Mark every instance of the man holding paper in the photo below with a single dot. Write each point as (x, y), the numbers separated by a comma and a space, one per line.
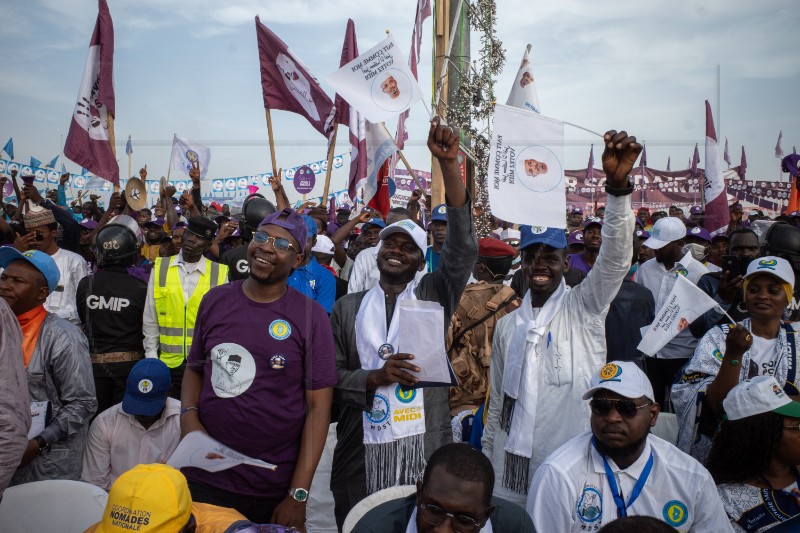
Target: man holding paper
(388, 428)
(545, 353)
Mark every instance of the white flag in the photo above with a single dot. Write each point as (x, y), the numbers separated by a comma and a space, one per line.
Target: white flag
(378, 83)
(523, 92)
(184, 153)
(685, 303)
(526, 168)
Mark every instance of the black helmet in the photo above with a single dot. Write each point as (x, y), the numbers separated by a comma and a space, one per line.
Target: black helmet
(254, 209)
(783, 240)
(116, 244)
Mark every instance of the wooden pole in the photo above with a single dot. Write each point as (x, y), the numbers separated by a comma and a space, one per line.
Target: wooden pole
(331, 150)
(112, 142)
(405, 161)
(271, 143)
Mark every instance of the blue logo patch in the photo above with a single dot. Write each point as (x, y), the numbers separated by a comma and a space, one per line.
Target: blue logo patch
(380, 410)
(682, 272)
(405, 395)
(610, 372)
(767, 264)
(718, 355)
(675, 513)
(590, 505)
(279, 329)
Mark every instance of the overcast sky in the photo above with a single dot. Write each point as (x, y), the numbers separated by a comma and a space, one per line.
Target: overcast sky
(191, 67)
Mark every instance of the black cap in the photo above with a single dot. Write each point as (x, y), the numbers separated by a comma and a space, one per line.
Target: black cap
(202, 227)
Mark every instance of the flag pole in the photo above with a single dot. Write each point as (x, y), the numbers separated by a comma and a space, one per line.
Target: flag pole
(129, 165)
(271, 143)
(404, 160)
(111, 141)
(331, 150)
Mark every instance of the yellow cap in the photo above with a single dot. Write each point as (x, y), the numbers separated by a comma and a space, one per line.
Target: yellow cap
(147, 498)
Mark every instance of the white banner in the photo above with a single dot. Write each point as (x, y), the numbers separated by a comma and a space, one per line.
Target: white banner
(526, 169)
(378, 83)
(523, 93)
(685, 303)
(184, 153)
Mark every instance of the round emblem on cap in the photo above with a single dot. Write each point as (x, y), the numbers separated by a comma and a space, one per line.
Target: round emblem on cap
(610, 371)
(442, 210)
(277, 362)
(695, 230)
(769, 264)
(145, 386)
(538, 230)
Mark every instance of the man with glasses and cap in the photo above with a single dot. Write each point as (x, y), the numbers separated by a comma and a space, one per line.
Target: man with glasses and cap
(619, 469)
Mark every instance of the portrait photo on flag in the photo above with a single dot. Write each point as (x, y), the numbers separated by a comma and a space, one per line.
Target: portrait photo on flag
(378, 83)
(526, 168)
(523, 93)
(185, 153)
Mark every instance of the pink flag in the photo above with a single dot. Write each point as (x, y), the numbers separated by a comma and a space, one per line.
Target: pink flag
(716, 197)
(778, 149)
(287, 84)
(88, 141)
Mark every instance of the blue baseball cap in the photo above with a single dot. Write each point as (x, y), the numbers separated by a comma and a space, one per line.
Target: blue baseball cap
(439, 213)
(43, 263)
(148, 388)
(552, 237)
(376, 222)
(311, 224)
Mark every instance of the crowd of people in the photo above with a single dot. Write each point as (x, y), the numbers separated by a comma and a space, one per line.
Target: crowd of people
(282, 333)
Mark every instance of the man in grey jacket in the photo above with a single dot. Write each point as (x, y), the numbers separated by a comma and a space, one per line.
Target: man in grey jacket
(388, 428)
(56, 356)
(15, 415)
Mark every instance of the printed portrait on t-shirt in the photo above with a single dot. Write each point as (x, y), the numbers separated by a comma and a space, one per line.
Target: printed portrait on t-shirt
(232, 371)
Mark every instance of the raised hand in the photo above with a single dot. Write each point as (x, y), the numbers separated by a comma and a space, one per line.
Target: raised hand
(194, 172)
(143, 173)
(443, 142)
(64, 178)
(275, 181)
(620, 154)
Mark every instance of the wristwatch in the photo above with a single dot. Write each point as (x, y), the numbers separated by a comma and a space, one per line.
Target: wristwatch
(43, 446)
(300, 495)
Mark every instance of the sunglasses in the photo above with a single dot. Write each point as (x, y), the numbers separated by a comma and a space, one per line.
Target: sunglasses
(278, 243)
(625, 408)
(435, 515)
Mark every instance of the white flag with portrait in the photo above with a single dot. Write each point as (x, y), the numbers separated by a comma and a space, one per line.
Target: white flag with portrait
(685, 303)
(526, 168)
(185, 152)
(378, 83)
(523, 92)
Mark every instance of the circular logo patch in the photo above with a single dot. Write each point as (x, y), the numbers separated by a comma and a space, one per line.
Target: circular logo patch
(385, 351)
(590, 505)
(538, 230)
(279, 329)
(277, 362)
(682, 272)
(405, 395)
(380, 410)
(145, 386)
(675, 513)
(609, 372)
(718, 355)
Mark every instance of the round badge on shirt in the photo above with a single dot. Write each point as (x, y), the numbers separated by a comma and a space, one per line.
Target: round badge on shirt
(232, 370)
(385, 351)
(279, 329)
(277, 362)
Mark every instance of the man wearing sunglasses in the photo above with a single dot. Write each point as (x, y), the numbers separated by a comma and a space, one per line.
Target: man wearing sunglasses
(619, 469)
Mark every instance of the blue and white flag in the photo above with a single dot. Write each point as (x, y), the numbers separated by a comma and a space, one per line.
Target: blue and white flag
(9, 147)
(129, 146)
(35, 163)
(185, 153)
(52, 163)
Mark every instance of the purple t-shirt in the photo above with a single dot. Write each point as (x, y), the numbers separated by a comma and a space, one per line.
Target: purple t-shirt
(257, 361)
(577, 262)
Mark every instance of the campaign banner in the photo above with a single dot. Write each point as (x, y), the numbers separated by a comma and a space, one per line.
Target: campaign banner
(186, 153)
(523, 93)
(526, 170)
(378, 83)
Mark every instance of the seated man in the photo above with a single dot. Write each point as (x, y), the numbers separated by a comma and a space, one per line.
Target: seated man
(144, 428)
(457, 485)
(620, 469)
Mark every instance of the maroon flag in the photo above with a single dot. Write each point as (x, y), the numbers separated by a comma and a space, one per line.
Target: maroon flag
(726, 156)
(695, 161)
(590, 166)
(716, 196)
(287, 84)
(381, 200)
(743, 165)
(89, 139)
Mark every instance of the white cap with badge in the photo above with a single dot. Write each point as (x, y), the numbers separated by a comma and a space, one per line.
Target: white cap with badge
(410, 228)
(622, 377)
(665, 231)
(762, 394)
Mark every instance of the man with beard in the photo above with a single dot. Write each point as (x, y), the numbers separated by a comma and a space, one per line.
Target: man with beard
(618, 469)
(545, 352)
(592, 239)
(379, 447)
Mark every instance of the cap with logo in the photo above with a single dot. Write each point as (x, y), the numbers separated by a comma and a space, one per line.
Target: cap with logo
(202, 227)
(665, 231)
(699, 233)
(696, 210)
(40, 260)
(622, 377)
(88, 224)
(592, 221)
(552, 237)
(148, 388)
(439, 213)
(324, 245)
(156, 491)
(375, 222)
(576, 237)
(410, 228)
(491, 247)
(761, 394)
(642, 234)
(289, 220)
(157, 222)
(576, 211)
(775, 266)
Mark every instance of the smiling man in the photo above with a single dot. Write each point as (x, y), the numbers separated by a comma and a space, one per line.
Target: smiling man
(377, 449)
(592, 239)
(389, 86)
(545, 352)
(619, 469)
(534, 168)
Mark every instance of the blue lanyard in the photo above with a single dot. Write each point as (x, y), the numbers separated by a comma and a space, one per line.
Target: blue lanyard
(612, 482)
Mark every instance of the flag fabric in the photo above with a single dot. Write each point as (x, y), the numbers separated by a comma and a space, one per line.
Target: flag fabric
(129, 146)
(88, 141)
(185, 152)
(590, 166)
(743, 165)
(35, 163)
(9, 147)
(726, 156)
(526, 167)
(52, 163)
(794, 150)
(380, 147)
(288, 85)
(523, 93)
(83, 171)
(717, 216)
(685, 303)
(695, 161)
(63, 168)
(778, 149)
(668, 162)
(378, 83)
(332, 210)
(381, 200)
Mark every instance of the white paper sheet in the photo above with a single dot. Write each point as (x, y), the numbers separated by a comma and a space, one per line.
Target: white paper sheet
(38, 418)
(198, 450)
(420, 333)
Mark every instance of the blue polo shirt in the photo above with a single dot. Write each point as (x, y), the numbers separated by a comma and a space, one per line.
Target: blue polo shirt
(316, 282)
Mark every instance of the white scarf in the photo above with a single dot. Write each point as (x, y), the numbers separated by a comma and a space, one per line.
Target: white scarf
(394, 428)
(412, 524)
(521, 385)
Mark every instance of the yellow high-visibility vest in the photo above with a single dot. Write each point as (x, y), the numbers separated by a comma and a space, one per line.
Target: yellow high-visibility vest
(175, 317)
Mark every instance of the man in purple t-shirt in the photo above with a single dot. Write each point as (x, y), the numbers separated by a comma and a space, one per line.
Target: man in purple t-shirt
(592, 239)
(260, 379)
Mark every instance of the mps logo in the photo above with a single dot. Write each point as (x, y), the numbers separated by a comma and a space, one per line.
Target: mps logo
(610, 372)
(767, 264)
(405, 395)
(279, 329)
(681, 272)
(675, 513)
(145, 386)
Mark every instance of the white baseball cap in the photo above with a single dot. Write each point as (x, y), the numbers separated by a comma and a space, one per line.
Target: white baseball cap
(665, 231)
(324, 245)
(510, 234)
(622, 377)
(780, 268)
(410, 228)
(762, 394)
